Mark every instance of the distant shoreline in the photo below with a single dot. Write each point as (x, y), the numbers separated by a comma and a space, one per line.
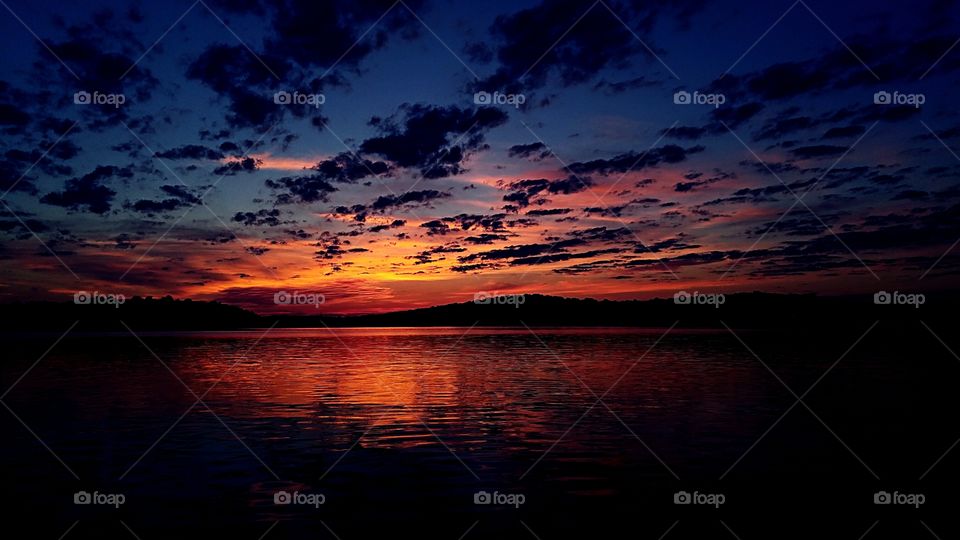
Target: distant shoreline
(740, 310)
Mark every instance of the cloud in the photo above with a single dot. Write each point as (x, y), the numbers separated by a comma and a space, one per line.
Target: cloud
(302, 37)
(818, 151)
(240, 165)
(87, 191)
(734, 116)
(433, 139)
(304, 189)
(521, 191)
(263, 217)
(392, 225)
(591, 40)
(549, 212)
(844, 132)
(349, 168)
(409, 198)
(633, 161)
(546, 252)
(11, 115)
(534, 151)
(388, 202)
(180, 197)
(191, 151)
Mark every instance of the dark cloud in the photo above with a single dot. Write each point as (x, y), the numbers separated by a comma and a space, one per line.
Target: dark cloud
(591, 41)
(12, 179)
(697, 180)
(147, 206)
(387, 202)
(303, 36)
(409, 198)
(557, 257)
(534, 151)
(818, 151)
(633, 161)
(734, 116)
(485, 238)
(784, 125)
(549, 212)
(349, 168)
(87, 191)
(191, 151)
(123, 242)
(393, 225)
(179, 197)
(263, 217)
(101, 59)
(436, 227)
(844, 132)
(305, 189)
(911, 195)
(892, 58)
(557, 250)
(433, 139)
(11, 115)
(521, 191)
(240, 165)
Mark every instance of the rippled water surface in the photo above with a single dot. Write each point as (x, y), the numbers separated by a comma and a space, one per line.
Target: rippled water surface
(394, 422)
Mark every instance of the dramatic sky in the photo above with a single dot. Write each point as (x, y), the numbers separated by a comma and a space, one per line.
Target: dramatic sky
(183, 175)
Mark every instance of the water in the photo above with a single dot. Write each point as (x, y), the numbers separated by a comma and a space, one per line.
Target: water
(399, 428)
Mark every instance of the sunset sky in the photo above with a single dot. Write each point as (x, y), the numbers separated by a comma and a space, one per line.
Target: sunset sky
(400, 190)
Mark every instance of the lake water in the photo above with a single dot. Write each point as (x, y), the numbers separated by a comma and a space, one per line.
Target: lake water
(397, 430)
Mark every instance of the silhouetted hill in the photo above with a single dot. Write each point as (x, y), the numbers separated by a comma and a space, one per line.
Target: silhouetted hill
(139, 313)
(747, 310)
(743, 310)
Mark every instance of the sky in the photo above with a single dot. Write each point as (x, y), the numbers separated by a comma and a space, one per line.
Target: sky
(385, 155)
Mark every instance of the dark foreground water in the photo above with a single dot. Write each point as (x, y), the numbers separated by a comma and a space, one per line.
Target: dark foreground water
(571, 433)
